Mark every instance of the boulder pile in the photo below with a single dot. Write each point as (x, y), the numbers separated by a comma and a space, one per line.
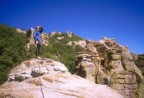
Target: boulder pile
(107, 62)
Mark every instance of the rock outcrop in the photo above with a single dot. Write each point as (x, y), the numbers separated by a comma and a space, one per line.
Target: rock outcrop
(69, 33)
(20, 31)
(81, 43)
(107, 62)
(46, 78)
(53, 33)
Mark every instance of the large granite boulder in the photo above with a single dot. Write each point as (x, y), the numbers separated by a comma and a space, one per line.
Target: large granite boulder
(46, 78)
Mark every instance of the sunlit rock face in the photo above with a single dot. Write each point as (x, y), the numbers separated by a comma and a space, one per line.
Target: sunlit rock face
(46, 78)
(107, 62)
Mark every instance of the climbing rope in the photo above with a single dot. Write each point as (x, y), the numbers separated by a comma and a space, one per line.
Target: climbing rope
(40, 82)
(40, 77)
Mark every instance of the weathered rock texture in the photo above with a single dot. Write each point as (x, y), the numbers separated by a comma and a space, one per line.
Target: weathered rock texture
(139, 60)
(107, 62)
(46, 78)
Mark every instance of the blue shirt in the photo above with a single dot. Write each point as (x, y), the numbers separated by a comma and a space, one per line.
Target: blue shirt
(37, 36)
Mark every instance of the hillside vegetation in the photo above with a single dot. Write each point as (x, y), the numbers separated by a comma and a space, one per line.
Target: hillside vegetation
(12, 50)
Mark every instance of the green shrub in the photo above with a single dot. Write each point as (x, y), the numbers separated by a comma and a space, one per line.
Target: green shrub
(58, 50)
(11, 50)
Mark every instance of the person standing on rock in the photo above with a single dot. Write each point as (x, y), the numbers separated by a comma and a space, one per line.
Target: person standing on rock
(38, 39)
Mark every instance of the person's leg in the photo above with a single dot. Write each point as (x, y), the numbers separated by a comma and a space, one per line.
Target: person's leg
(38, 49)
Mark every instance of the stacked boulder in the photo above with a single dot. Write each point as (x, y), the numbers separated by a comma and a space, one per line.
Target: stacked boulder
(86, 67)
(112, 65)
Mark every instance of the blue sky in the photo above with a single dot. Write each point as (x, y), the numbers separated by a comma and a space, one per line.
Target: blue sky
(90, 19)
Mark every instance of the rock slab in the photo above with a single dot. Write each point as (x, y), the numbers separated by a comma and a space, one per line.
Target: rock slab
(51, 79)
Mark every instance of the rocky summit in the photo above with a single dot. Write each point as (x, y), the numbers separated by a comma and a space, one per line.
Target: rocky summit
(46, 78)
(100, 69)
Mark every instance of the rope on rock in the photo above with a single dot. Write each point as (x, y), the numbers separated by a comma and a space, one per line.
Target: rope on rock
(40, 82)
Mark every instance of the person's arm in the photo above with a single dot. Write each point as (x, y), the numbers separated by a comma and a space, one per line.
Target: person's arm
(38, 37)
(34, 36)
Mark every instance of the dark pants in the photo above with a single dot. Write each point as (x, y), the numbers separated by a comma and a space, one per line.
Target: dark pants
(38, 49)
